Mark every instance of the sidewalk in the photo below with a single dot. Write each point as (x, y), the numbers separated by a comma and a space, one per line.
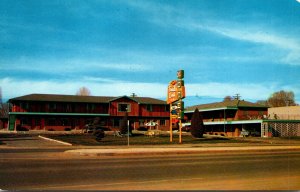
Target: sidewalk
(169, 150)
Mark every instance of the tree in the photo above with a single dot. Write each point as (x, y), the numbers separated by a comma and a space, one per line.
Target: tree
(282, 98)
(97, 131)
(227, 98)
(197, 126)
(83, 91)
(123, 124)
(262, 102)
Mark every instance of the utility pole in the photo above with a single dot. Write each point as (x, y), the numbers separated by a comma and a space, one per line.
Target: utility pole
(133, 95)
(0, 96)
(237, 96)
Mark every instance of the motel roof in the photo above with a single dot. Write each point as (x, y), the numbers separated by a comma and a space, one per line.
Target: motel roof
(84, 99)
(233, 104)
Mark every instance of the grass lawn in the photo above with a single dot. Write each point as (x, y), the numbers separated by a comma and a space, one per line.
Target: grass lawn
(141, 139)
(110, 140)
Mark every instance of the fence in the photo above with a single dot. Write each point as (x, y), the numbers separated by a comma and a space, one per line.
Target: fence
(284, 128)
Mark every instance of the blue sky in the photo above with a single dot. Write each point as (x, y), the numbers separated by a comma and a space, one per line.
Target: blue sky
(114, 48)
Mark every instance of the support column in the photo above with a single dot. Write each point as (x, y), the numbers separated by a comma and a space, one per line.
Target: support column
(171, 129)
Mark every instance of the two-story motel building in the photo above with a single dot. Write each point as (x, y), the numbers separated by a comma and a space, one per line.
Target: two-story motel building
(61, 112)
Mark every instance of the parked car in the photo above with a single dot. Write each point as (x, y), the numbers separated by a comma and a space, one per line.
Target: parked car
(88, 129)
(92, 128)
(186, 128)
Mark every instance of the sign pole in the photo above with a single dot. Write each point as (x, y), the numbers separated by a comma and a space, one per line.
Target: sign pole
(171, 130)
(128, 133)
(180, 126)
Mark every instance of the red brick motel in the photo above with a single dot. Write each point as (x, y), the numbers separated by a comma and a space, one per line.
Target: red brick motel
(61, 112)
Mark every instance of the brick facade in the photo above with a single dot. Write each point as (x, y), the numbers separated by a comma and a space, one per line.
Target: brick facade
(65, 112)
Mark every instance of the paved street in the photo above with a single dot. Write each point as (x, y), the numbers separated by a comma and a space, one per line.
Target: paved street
(55, 170)
(34, 163)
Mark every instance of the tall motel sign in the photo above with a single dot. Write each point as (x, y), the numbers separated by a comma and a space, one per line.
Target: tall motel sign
(176, 93)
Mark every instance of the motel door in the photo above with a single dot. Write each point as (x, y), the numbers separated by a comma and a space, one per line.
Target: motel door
(264, 130)
(12, 120)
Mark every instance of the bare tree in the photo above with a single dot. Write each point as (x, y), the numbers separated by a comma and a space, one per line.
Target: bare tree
(282, 98)
(262, 102)
(227, 98)
(83, 91)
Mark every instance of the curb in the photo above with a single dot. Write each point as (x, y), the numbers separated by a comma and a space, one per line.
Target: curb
(61, 142)
(159, 151)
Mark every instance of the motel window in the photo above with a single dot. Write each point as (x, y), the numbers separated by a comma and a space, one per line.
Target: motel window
(69, 107)
(123, 107)
(65, 122)
(162, 122)
(37, 121)
(90, 107)
(51, 122)
(149, 107)
(116, 122)
(141, 122)
(25, 121)
(24, 105)
(52, 106)
(167, 107)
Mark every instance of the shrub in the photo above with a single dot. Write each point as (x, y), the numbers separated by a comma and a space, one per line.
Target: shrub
(142, 129)
(197, 126)
(20, 128)
(99, 134)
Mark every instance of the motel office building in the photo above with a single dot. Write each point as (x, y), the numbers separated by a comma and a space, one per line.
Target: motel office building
(238, 118)
(233, 118)
(69, 112)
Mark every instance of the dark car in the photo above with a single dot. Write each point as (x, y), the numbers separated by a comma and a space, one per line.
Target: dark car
(89, 128)
(97, 131)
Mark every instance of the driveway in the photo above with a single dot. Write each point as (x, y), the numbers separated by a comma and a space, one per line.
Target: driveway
(26, 141)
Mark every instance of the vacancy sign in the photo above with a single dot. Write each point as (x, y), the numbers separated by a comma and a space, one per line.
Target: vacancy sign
(172, 92)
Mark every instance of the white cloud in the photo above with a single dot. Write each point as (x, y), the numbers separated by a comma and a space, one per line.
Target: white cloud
(69, 66)
(98, 79)
(288, 47)
(254, 35)
(109, 87)
(220, 90)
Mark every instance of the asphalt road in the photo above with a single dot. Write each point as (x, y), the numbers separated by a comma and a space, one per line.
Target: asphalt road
(55, 170)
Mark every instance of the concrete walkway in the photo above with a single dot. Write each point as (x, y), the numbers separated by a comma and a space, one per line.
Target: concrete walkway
(169, 150)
